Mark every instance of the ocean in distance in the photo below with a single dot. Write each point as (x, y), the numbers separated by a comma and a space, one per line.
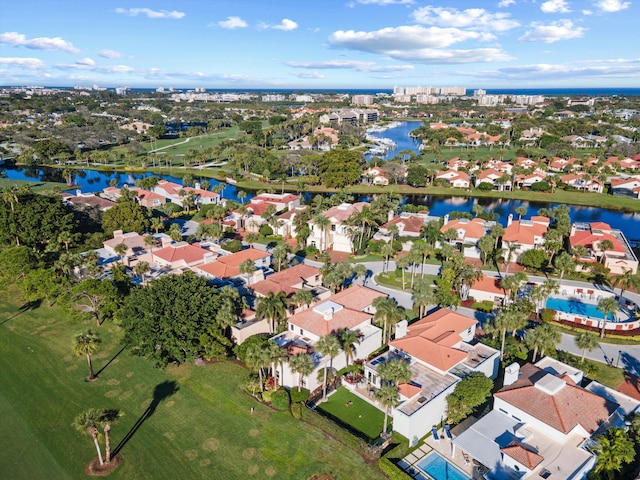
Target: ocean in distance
(547, 92)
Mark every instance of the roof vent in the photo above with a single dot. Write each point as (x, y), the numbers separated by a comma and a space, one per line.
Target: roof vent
(550, 384)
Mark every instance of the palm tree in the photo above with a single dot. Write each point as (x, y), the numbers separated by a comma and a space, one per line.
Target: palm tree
(175, 232)
(395, 371)
(614, 449)
(521, 211)
(66, 238)
(87, 343)
(387, 310)
(387, 395)
(302, 297)
(258, 357)
(586, 341)
(512, 247)
(565, 263)
(328, 346)
(241, 195)
(121, 251)
(512, 283)
(303, 365)
(107, 417)
(626, 280)
(87, 423)
(606, 306)
(157, 224)
(273, 308)
(322, 222)
(277, 355)
(387, 251)
(543, 338)
(605, 245)
(247, 268)
(505, 321)
(402, 263)
(251, 238)
(150, 242)
(348, 341)
(141, 269)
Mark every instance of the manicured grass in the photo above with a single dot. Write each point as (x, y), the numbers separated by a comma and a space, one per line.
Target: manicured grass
(36, 186)
(353, 411)
(203, 430)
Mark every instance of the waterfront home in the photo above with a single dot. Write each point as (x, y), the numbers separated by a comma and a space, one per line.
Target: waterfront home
(409, 225)
(617, 259)
(87, 200)
(175, 193)
(524, 235)
(543, 424)
(526, 181)
(499, 180)
(440, 351)
(468, 231)
(580, 181)
(454, 178)
(375, 176)
(338, 234)
(625, 187)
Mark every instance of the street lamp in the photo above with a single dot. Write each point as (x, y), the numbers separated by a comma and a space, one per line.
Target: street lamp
(618, 362)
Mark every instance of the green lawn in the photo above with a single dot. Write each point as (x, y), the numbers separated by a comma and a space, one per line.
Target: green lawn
(204, 430)
(36, 186)
(353, 411)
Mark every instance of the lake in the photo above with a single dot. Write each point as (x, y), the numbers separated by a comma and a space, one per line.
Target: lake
(95, 181)
(400, 135)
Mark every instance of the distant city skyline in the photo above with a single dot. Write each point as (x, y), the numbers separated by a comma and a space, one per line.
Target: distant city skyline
(314, 45)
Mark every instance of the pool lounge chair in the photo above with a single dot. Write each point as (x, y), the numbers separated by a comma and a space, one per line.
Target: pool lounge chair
(434, 432)
(447, 432)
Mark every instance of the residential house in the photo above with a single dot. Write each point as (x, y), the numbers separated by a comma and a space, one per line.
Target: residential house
(500, 180)
(525, 181)
(488, 289)
(457, 163)
(350, 309)
(469, 231)
(175, 193)
(253, 219)
(454, 178)
(580, 181)
(133, 240)
(590, 235)
(375, 176)
(625, 187)
(286, 225)
(543, 424)
(87, 200)
(499, 165)
(409, 225)
(180, 255)
(524, 235)
(338, 235)
(228, 266)
(558, 164)
(440, 354)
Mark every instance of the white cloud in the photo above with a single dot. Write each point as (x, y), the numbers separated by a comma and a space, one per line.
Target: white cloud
(555, 6)
(587, 12)
(506, 3)
(350, 64)
(402, 38)
(109, 53)
(546, 71)
(556, 31)
(438, 56)
(286, 25)
(232, 23)
(85, 61)
(96, 68)
(134, 12)
(30, 63)
(311, 75)
(471, 18)
(612, 5)
(41, 43)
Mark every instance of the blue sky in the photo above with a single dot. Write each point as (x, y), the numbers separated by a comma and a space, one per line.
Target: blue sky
(321, 44)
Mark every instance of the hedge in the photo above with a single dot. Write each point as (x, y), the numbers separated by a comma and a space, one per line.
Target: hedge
(391, 470)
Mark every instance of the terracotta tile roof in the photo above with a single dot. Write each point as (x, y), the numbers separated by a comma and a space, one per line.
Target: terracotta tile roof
(235, 259)
(274, 198)
(523, 456)
(219, 270)
(147, 195)
(356, 297)
(411, 223)
(588, 239)
(524, 234)
(133, 240)
(342, 212)
(489, 284)
(567, 408)
(432, 339)
(181, 251)
(284, 280)
(311, 321)
(91, 201)
(408, 391)
(472, 228)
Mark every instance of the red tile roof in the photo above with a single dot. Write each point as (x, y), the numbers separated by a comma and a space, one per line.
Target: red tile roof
(284, 280)
(356, 297)
(181, 251)
(315, 323)
(472, 228)
(219, 270)
(524, 234)
(235, 259)
(569, 407)
(410, 223)
(523, 456)
(408, 391)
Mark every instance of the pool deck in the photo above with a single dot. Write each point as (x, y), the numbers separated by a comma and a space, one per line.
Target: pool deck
(444, 447)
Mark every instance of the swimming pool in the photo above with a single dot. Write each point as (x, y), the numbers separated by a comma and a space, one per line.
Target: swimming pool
(576, 307)
(439, 468)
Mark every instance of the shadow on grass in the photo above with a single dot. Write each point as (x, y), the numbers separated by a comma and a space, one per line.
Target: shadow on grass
(110, 361)
(24, 308)
(162, 391)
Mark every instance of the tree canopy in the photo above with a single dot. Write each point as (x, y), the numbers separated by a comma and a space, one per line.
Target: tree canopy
(168, 320)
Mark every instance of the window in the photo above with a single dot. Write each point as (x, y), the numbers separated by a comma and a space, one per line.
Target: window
(291, 327)
(301, 332)
(333, 227)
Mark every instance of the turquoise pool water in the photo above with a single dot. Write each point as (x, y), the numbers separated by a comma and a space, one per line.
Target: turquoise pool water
(576, 307)
(440, 469)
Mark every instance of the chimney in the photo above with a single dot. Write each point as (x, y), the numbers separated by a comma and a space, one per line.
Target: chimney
(573, 230)
(390, 215)
(510, 219)
(401, 329)
(117, 233)
(208, 257)
(328, 314)
(197, 186)
(166, 240)
(446, 219)
(78, 193)
(511, 374)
